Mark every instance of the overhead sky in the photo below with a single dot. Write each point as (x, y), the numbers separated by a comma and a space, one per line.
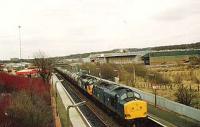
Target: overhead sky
(63, 27)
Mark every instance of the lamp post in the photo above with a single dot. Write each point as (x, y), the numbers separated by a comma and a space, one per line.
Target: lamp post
(155, 94)
(57, 96)
(72, 106)
(99, 72)
(20, 46)
(88, 69)
(134, 73)
(117, 71)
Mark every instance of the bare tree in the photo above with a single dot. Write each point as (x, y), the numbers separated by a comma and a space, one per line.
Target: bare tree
(185, 95)
(45, 65)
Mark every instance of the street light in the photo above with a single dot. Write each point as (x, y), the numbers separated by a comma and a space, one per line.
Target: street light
(155, 94)
(88, 69)
(117, 71)
(134, 73)
(99, 72)
(20, 46)
(57, 96)
(72, 106)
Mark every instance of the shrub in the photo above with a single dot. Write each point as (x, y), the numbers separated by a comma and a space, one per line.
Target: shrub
(157, 78)
(92, 68)
(107, 71)
(139, 69)
(194, 60)
(177, 79)
(2, 88)
(29, 110)
(36, 85)
(195, 78)
(185, 95)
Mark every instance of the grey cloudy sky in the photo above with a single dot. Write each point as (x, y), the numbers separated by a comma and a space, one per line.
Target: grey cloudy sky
(63, 27)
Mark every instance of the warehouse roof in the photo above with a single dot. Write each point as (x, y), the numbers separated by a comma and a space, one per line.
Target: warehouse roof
(141, 53)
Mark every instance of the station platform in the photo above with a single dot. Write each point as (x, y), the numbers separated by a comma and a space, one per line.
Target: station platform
(76, 117)
(171, 119)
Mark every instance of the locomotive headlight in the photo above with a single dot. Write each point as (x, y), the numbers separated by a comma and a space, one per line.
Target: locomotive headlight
(127, 115)
(145, 113)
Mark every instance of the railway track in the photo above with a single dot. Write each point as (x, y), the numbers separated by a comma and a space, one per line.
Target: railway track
(96, 116)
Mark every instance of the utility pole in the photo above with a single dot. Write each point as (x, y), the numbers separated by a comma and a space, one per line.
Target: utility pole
(99, 72)
(134, 73)
(20, 43)
(155, 94)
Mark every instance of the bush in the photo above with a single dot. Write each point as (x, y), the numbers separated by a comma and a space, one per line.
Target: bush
(139, 69)
(29, 110)
(157, 78)
(178, 79)
(107, 72)
(185, 95)
(195, 78)
(2, 88)
(9, 83)
(194, 60)
(90, 68)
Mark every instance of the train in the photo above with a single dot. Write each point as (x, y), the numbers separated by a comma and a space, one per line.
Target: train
(119, 100)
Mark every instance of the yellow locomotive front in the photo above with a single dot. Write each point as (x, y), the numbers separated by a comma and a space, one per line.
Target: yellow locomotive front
(135, 109)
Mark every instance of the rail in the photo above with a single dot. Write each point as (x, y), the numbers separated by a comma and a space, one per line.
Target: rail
(90, 116)
(77, 108)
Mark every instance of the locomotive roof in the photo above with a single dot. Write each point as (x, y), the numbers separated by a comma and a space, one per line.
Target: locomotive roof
(113, 88)
(109, 86)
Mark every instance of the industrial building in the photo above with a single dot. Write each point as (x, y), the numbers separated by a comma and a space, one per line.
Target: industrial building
(118, 58)
(15, 60)
(148, 57)
(170, 56)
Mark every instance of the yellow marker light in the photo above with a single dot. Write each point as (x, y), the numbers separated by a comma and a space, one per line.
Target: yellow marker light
(127, 115)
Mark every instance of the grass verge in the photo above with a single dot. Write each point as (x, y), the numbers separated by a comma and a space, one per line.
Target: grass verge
(174, 118)
(62, 112)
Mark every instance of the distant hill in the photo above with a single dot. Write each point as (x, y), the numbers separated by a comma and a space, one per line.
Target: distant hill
(158, 48)
(182, 46)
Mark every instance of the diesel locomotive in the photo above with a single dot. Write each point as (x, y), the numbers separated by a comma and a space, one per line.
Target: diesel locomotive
(121, 101)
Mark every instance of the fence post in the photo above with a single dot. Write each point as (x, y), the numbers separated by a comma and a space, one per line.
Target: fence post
(155, 94)
(155, 98)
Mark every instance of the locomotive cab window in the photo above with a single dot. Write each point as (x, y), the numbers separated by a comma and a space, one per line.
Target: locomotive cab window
(137, 95)
(129, 96)
(124, 96)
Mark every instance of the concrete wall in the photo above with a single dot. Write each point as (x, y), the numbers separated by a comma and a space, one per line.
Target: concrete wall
(121, 60)
(170, 105)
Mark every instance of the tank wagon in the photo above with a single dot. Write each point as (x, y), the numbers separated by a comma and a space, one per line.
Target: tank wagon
(120, 101)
